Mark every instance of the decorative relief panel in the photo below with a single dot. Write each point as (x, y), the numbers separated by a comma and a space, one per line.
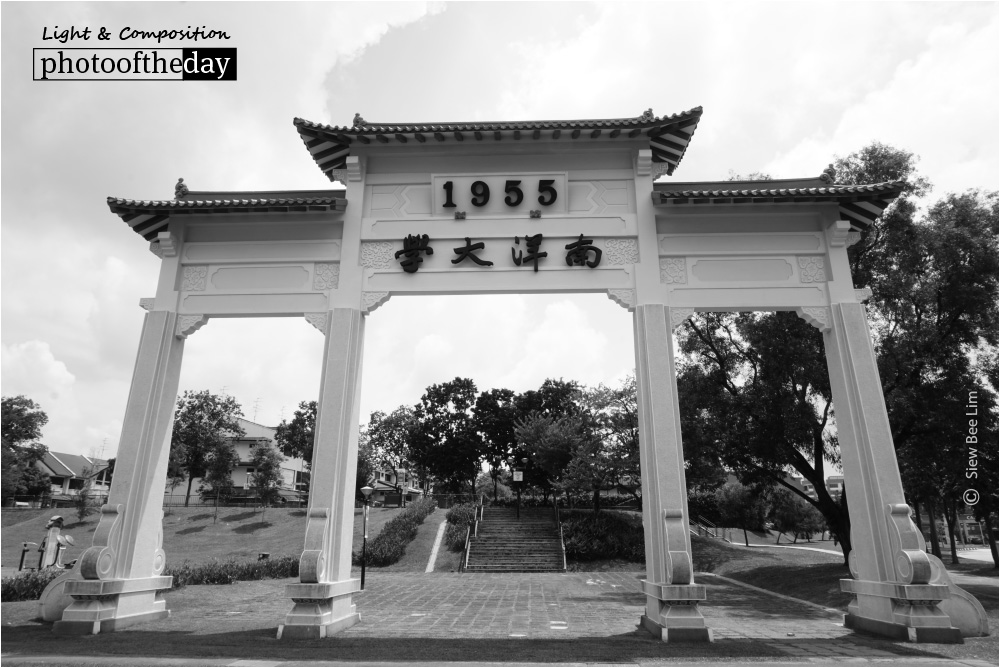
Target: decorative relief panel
(672, 270)
(622, 297)
(147, 304)
(599, 197)
(327, 276)
(377, 255)
(318, 320)
(678, 316)
(194, 278)
(417, 199)
(863, 294)
(621, 251)
(812, 269)
(386, 201)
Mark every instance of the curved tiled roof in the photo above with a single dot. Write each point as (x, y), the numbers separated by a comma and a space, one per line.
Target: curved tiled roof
(668, 136)
(149, 217)
(859, 204)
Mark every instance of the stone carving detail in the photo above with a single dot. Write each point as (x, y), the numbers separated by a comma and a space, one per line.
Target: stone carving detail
(623, 297)
(912, 566)
(377, 255)
(159, 556)
(863, 294)
(673, 270)
(188, 324)
(98, 561)
(147, 304)
(165, 245)
(828, 174)
(621, 251)
(327, 276)
(659, 169)
(818, 317)
(852, 238)
(838, 233)
(678, 316)
(180, 189)
(355, 168)
(195, 278)
(679, 569)
(339, 175)
(318, 320)
(371, 300)
(812, 269)
(312, 565)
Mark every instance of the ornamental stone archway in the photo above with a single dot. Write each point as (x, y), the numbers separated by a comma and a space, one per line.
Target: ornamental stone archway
(522, 207)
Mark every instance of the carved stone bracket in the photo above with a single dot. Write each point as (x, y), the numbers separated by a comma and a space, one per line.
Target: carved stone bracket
(188, 324)
(195, 279)
(147, 304)
(623, 297)
(908, 548)
(818, 317)
(355, 168)
(339, 175)
(326, 276)
(377, 255)
(838, 233)
(165, 245)
(812, 269)
(678, 316)
(863, 294)
(371, 300)
(673, 270)
(643, 162)
(621, 251)
(98, 561)
(852, 238)
(659, 169)
(312, 566)
(679, 569)
(318, 320)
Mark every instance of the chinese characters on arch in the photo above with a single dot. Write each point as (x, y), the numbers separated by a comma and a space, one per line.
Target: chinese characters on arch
(580, 252)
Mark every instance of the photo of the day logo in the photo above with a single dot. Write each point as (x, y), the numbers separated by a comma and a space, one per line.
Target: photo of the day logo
(118, 64)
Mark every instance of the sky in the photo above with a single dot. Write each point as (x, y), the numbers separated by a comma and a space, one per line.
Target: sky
(785, 88)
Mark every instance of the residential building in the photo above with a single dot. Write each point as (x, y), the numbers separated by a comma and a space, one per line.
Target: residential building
(389, 484)
(69, 473)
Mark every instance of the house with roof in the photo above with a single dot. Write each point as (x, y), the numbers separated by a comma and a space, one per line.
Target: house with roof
(389, 484)
(69, 473)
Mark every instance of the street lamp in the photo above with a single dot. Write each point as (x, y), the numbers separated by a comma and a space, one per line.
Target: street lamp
(364, 541)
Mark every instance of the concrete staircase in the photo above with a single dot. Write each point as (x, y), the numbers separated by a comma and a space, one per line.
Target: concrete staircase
(505, 544)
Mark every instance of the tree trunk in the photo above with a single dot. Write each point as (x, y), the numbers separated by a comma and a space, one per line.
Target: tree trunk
(919, 517)
(950, 514)
(934, 537)
(495, 489)
(992, 539)
(745, 536)
(596, 499)
(190, 481)
(778, 537)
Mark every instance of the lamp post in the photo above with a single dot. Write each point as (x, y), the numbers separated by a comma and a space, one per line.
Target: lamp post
(364, 540)
(518, 476)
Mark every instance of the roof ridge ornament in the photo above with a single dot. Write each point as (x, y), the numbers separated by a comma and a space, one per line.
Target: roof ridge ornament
(647, 115)
(828, 174)
(358, 121)
(180, 190)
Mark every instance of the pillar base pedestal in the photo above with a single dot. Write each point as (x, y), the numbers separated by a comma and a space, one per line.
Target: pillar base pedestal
(112, 604)
(321, 609)
(668, 634)
(672, 614)
(870, 626)
(317, 631)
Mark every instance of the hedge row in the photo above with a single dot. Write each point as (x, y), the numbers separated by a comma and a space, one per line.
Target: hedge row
(27, 585)
(458, 519)
(231, 570)
(607, 535)
(390, 544)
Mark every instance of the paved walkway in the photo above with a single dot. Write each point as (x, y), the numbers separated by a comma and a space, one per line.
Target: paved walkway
(506, 618)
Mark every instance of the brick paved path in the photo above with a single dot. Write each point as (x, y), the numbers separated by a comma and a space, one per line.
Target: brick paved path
(545, 606)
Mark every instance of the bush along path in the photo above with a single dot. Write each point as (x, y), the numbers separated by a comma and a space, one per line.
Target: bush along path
(390, 544)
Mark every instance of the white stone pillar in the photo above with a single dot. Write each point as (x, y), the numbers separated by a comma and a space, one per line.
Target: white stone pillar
(323, 603)
(122, 569)
(890, 569)
(671, 596)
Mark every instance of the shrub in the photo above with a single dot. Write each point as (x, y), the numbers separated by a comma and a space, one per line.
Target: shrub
(458, 519)
(27, 585)
(390, 544)
(230, 571)
(605, 535)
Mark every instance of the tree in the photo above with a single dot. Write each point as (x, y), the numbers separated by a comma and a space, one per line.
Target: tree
(296, 439)
(366, 465)
(613, 417)
(549, 444)
(82, 502)
(741, 507)
(266, 475)
(445, 443)
(389, 437)
(789, 513)
(494, 416)
(22, 422)
(216, 484)
(203, 425)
